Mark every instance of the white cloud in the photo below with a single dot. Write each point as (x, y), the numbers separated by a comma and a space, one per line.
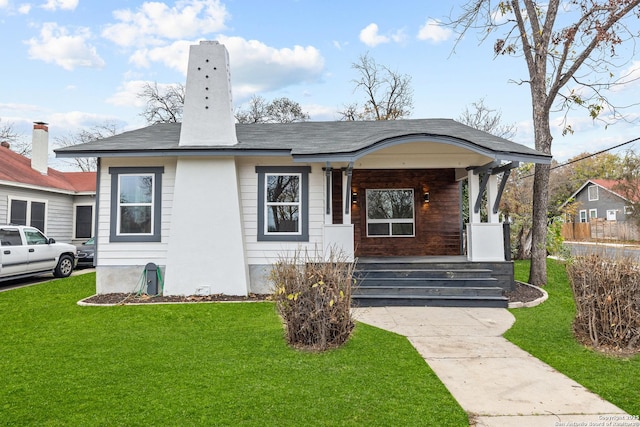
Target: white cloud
(175, 56)
(74, 120)
(256, 67)
(629, 77)
(56, 45)
(339, 45)
(399, 36)
(60, 4)
(153, 22)
(24, 9)
(321, 112)
(4, 4)
(434, 31)
(369, 36)
(127, 94)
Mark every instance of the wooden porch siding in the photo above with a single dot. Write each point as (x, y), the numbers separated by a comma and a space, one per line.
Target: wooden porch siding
(336, 197)
(437, 223)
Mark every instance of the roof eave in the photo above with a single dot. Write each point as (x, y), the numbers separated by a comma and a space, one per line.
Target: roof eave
(443, 139)
(174, 152)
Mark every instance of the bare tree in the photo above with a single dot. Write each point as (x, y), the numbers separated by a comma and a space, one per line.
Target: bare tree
(256, 111)
(284, 110)
(388, 95)
(95, 133)
(483, 118)
(15, 140)
(629, 183)
(280, 110)
(569, 66)
(162, 104)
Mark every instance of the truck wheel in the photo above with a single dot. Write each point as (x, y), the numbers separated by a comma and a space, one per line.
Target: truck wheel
(64, 267)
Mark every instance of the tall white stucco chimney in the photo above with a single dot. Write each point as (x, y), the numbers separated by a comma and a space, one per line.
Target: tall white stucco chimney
(207, 118)
(40, 147)
(206, 191)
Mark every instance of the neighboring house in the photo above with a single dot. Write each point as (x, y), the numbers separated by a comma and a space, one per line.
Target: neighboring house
(599, 199)
(214, 204)
(60, 204)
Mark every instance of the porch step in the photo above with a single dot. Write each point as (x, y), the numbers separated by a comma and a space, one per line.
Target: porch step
(434, 273)
(444, 284)
(422, 291)
(433, 301)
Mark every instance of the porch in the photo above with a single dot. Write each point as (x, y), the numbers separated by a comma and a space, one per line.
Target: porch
(444, 281)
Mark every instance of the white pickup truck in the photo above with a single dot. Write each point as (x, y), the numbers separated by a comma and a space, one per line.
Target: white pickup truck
(25, 251)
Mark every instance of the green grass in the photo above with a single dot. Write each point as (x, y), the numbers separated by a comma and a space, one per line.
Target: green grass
(545, 331)
(199, 364)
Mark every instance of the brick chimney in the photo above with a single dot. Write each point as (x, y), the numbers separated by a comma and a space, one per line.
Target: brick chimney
(40, 147)
(207, 118)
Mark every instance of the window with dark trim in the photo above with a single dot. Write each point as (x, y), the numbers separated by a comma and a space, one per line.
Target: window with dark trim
(135, 204)
(84, 221)
(283, 203)
(28, 212)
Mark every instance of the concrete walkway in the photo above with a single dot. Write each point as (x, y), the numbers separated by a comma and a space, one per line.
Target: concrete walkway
(496, 382)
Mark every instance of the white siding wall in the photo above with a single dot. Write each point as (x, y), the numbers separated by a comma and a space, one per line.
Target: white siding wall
(59, 210)
(260, 253)
(4, 208)
(133, 253)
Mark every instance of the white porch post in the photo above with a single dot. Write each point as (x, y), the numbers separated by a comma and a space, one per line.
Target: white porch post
(474, 191)
(484, 240)
(492, 195)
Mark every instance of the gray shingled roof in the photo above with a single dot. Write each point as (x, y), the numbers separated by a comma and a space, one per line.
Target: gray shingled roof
(331, 140)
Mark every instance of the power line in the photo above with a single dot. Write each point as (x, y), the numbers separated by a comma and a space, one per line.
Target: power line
(586, 157)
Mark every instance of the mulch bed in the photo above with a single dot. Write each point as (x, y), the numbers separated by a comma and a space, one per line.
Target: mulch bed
(122, 298)
(521, 293)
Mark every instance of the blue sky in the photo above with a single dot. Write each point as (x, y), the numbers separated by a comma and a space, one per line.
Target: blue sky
(77, 63)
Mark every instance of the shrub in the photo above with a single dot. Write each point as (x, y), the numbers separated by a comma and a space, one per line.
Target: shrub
(313, 297)
(607, 297)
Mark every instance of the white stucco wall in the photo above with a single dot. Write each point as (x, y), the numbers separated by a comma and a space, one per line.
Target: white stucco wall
(206, 253)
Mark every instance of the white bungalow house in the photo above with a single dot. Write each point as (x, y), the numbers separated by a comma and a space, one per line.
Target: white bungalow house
(214, 203)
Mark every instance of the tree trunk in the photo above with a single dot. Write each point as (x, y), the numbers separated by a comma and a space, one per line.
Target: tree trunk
(538, 269)
(543, 138)
(524, 243)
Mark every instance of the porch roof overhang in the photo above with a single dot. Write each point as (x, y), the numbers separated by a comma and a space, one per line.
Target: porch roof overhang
(310, 141)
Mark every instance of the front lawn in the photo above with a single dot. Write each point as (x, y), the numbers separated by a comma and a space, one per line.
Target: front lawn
(198, 364)
(545, 331)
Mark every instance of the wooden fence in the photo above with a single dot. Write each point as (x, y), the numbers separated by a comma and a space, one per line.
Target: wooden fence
(601, 229)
